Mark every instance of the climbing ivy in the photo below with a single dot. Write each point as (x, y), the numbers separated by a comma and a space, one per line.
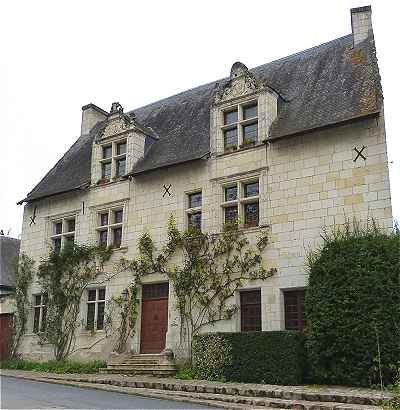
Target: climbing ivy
(205, 271)
(23, 278)
(64, 276)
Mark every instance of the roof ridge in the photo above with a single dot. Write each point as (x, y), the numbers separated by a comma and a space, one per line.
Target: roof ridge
(215, 82)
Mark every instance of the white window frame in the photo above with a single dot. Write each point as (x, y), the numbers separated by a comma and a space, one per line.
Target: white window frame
(110, 227)
(241, 200)
(41, 307)
(65, 233)
(193, 210)
(96, 307)
(114, 157)
(239, 123)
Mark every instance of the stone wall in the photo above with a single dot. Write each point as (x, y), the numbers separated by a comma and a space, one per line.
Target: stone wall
(307, 182)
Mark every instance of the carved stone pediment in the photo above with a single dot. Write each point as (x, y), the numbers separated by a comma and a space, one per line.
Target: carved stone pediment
(117, 123)
(241, 82)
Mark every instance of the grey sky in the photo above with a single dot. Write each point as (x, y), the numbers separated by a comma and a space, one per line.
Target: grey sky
(58, 56)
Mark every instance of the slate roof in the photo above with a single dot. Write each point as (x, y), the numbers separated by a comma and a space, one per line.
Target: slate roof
(322, 86)
(9, 250)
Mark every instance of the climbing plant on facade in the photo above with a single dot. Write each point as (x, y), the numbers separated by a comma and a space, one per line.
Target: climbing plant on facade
(23, 278)
(64, 276)
(205, 271)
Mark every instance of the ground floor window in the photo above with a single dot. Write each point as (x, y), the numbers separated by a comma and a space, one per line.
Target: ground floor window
(250, 310)
(95, 308)
(39, 312)
(294, 309)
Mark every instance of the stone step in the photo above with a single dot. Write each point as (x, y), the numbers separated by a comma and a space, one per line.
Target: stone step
(141, 361)
(141, 366)
(130, 372)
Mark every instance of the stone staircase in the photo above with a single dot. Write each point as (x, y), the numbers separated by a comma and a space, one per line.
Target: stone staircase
(142, 364)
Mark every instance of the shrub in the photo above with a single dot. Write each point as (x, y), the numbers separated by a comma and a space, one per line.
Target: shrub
(353, 307)
(394, 404)
(53, 366)
(250, 357)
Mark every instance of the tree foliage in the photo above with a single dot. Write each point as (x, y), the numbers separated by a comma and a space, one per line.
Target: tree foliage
(205, 271)
(64, 276)
(353, 306)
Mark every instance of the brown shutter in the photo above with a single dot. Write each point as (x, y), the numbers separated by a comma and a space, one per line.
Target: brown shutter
(250, 310)
(294, 310)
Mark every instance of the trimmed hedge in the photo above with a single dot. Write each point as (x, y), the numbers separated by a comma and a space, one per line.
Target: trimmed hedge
(352, 303)
(251, 357)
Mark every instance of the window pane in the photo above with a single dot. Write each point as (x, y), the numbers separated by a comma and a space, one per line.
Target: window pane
(159, 290)
(71, 225)
(117, 236)
(195, 200)
(121, 148)
(69, 240)
(118, 216)
(57, 244)
(100, 315)
(36, 318)
(121, 164)
(90, 316)
(250, 133)
(103, 238)
(104, 219)
(38, 300)
(106, 170)
(251, 189)
(107, 152)
(194, 220)
(231, 193)
(251, 215)
(102, 294)
(44, 316)
(250, 111)
(92, 294)
(230, 138)
(231, 214)
(45, 299)
(58, 228)
(230, 117)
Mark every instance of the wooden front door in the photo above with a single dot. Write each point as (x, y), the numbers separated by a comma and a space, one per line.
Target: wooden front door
(154, 324)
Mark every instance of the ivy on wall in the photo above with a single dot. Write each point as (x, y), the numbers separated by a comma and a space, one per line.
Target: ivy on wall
(23, 278)
(205, 271)
(64, 276)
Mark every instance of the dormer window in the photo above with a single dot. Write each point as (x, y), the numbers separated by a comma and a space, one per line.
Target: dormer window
(113, 161)
(240, 126)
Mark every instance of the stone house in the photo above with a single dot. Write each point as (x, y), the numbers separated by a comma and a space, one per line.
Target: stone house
(297, 144)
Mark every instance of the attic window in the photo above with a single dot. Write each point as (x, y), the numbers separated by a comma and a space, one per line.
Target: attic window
(240, 126)
(113, 160)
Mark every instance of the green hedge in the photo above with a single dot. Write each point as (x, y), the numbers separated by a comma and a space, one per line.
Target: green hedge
(250, 357)
(352, 303)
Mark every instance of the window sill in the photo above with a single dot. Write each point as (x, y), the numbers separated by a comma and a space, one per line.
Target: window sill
(241, 149)
(122, 249)
(106, 182)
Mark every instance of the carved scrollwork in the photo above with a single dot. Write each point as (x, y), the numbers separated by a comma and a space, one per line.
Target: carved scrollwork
(241, 82)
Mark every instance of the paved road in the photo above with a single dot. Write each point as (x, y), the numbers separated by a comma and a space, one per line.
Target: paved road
(27, 394)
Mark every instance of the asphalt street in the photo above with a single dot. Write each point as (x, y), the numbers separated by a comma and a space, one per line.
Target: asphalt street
(27, 394)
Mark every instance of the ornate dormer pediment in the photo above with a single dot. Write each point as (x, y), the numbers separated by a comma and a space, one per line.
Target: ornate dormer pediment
(117, 123)
(241, 83)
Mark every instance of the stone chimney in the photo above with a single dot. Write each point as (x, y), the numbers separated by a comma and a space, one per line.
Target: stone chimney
(361, 23)
(91, 115)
